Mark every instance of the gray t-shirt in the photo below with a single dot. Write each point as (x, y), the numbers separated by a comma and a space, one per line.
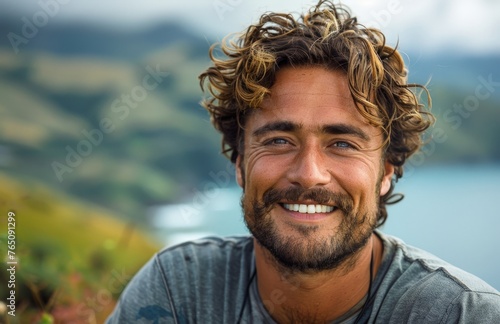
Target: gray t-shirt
(213, 281)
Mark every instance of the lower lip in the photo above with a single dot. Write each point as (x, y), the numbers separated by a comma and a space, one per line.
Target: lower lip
(305, 217)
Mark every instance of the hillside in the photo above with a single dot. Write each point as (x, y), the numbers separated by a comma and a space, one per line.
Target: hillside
(73, 258)
(150, 148)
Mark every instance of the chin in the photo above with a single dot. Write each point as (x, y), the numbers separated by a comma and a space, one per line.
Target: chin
(308, 247)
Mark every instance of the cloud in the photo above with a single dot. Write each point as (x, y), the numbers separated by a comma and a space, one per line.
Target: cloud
(425, 25)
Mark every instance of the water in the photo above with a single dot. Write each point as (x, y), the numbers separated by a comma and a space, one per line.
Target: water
(454, 213)
(450, 211)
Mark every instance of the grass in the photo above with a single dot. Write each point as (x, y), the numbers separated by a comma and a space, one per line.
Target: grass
(69, 252)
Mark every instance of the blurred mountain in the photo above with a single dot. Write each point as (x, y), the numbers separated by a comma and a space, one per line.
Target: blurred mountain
(113, 117)
(454, 71)
(81, 39)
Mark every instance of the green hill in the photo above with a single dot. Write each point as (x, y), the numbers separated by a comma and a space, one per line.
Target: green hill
(68, 252)
(152, 141)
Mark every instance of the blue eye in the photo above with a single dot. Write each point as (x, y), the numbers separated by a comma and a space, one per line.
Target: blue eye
(278, 141)
(343, 145)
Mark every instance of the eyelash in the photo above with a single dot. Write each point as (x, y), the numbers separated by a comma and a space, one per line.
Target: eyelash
(344, 145)
(275, 140)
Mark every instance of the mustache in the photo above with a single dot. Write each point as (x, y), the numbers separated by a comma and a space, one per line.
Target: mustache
(320, 196)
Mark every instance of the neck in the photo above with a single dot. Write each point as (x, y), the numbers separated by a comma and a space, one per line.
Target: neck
(319, 297)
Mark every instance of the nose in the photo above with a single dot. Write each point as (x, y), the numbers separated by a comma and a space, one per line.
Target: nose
(309, 168)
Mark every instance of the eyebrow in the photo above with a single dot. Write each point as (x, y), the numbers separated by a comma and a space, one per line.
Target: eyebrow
(334, 129)
(280, 126)
(344, 129)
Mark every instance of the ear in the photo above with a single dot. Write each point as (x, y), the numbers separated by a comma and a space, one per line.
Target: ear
(385, 185)
(239, 172)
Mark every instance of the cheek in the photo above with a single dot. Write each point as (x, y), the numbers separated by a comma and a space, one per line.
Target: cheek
(258, 173)
(262, 173)
(357, 180)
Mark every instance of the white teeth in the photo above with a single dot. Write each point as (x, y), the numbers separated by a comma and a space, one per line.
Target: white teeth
(309, 209)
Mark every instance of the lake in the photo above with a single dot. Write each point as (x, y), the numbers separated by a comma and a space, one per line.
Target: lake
(450, 211)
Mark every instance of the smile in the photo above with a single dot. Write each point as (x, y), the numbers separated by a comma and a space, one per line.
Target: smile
(308, 209)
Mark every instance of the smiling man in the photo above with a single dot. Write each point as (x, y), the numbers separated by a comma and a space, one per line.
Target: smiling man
(318, 117)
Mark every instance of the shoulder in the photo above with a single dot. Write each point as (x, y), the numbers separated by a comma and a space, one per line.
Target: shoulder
(207, 279)
(201, 263)
(210, 251)
(422, 266)
(144, 297)
(419, 287)
(184, 281)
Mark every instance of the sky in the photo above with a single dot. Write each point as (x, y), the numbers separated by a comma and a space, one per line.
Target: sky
(427, 25)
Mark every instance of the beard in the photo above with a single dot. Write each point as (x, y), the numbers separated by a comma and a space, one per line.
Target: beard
(306, 251)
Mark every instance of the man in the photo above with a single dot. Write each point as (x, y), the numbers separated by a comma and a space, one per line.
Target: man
(318, 117)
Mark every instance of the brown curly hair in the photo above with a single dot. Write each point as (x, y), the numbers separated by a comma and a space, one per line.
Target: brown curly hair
(327, 35)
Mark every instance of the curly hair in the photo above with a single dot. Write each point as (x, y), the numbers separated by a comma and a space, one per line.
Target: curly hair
(328, 36)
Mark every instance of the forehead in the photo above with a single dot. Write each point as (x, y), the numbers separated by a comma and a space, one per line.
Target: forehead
(309, 96)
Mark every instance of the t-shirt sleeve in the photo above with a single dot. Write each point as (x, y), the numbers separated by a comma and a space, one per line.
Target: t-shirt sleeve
(145, 299)
(475, 307)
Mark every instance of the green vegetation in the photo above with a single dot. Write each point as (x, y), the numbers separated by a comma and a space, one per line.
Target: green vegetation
(82, 126)
(74, 259)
